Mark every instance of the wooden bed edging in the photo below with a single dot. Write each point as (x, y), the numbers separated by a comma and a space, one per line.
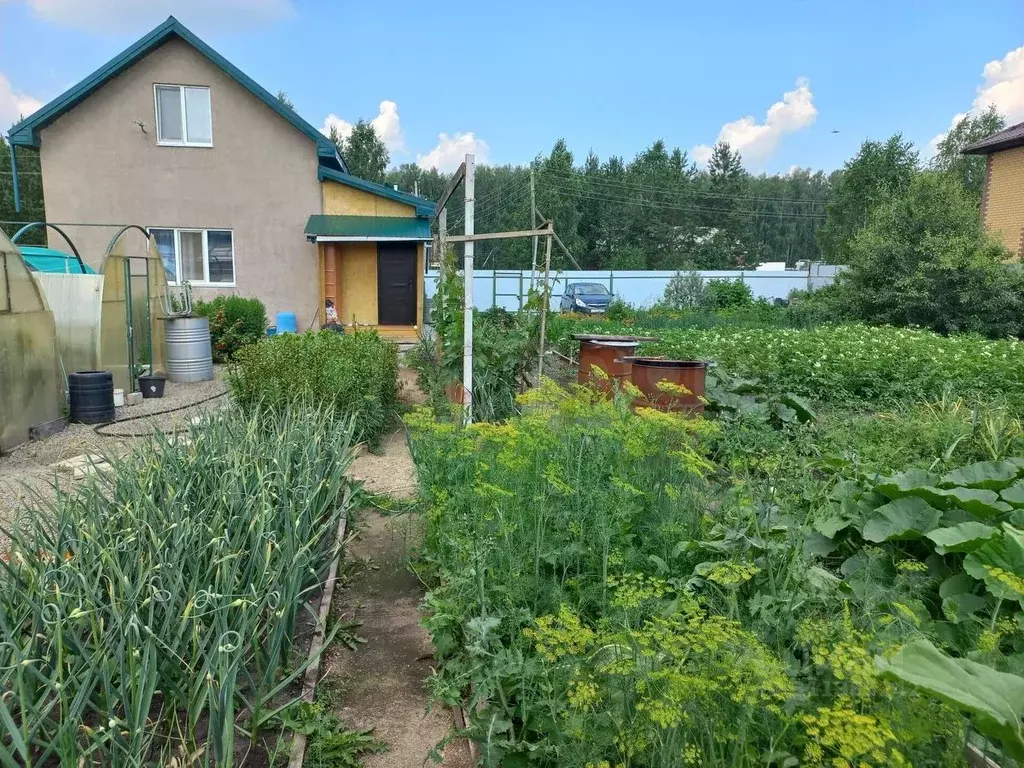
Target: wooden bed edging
(316, 649)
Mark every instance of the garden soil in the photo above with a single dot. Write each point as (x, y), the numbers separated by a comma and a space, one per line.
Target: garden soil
(384, 680)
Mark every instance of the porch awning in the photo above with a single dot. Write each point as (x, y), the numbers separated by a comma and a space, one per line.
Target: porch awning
(359, 229)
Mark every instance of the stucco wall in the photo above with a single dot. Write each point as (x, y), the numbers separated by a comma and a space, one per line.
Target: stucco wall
(341, 200)
(1004, 198)
(258, 180)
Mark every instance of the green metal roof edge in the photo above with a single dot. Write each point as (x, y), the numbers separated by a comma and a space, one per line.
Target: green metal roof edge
(424, 207)
(328, 225)
(26, 133)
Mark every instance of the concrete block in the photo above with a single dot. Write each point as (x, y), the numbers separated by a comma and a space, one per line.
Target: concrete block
(133, 398)
(82, 465)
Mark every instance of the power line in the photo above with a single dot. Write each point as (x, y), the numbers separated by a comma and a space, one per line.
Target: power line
(626, 185)
(694, 209)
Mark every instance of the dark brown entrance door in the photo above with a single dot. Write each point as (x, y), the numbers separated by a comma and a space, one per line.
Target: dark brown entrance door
(396, 283)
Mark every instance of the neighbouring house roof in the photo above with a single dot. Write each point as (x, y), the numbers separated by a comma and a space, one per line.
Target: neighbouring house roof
(1008, 138)
(323, 228)
(423, 206)
(26, 133)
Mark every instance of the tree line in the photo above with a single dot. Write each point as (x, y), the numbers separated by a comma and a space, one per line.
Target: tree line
(656, 211)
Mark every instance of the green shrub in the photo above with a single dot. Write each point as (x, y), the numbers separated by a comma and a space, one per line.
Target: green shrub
(356, 374)
(234, 323)
(619, 310)
(726, 294)
(685, 291)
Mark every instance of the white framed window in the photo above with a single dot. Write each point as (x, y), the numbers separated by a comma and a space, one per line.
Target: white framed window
(183, 115)
(199, 256)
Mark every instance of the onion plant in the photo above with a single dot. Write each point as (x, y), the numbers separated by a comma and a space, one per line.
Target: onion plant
(153, 612)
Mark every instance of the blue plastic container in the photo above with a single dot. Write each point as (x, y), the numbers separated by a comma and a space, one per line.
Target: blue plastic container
(287, 322)
(272, 330)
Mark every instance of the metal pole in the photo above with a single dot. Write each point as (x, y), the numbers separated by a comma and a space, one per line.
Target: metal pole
(442, 233)
(533, 223)
(14, 180)
(544, 310)
(467, 329)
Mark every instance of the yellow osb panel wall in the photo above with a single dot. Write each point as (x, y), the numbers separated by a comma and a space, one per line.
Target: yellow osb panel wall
(358, 283)
(340, 200)
(1004, 211)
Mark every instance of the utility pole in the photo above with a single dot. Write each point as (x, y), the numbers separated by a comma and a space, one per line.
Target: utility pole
(533, 225)
(545, 308)
(467, 329)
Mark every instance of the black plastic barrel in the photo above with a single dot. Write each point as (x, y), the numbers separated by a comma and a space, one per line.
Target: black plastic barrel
(92, 396)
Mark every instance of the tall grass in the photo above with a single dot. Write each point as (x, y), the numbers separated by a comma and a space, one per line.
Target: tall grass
(154, 613)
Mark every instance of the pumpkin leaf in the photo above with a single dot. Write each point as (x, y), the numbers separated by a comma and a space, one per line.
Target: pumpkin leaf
(960, 608)
(905, 483)
(959, 584)
(906, 518)
(802, 409)
(978, 501)
(992, 475)
(994, 699)
(961, 538)
(1014, 495)
(1006, 553)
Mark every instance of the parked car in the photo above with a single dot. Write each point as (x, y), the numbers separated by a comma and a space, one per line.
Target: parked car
(586, 298)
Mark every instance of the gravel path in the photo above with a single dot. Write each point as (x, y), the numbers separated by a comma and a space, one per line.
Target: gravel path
(27, 471)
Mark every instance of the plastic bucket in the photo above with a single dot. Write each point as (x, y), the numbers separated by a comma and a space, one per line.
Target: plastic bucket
(287, 322)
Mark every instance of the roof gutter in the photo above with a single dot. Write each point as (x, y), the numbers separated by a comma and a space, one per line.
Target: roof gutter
(364, 239)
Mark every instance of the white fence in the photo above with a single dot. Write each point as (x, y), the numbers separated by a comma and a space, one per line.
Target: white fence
(508, 288)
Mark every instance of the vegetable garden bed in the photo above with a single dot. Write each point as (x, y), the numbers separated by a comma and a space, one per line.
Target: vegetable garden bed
(157, 614)
(633, 588)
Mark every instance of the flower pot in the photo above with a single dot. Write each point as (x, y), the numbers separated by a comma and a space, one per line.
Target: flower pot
(152, 386)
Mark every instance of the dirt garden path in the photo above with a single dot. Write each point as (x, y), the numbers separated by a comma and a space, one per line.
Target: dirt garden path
(383, 683)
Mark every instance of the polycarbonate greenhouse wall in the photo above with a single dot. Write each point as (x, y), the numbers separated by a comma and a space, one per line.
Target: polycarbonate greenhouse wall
(31, 387)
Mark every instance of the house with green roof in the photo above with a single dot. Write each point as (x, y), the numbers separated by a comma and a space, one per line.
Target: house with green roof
(239, 192)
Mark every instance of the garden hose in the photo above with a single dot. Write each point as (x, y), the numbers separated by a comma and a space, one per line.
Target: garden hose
(99, 427)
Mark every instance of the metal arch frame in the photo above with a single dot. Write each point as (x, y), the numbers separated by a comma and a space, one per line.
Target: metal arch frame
(121, 231)
(61, 232)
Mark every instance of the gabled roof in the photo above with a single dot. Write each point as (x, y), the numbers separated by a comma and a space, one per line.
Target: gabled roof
(1008, 138)
(26, 133)
(423, 207)
(322, 228)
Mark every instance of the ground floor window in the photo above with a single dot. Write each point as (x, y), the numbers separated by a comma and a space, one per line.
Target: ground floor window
(199, 256)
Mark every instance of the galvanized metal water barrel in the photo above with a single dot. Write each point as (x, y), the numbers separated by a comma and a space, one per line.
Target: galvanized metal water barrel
(189, 352)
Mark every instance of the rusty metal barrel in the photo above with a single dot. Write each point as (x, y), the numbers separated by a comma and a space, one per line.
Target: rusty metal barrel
(683, 391)
(611, 354)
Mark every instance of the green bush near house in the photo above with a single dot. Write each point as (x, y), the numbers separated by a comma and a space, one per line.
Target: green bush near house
(356, 374)
(235, 322)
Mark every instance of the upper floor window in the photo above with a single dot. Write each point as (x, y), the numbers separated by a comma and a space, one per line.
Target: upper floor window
(183, 116)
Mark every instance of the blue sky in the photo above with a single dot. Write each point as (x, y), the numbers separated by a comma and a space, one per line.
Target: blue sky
(508, 79)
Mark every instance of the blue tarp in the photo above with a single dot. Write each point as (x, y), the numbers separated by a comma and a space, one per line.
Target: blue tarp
(39, 259)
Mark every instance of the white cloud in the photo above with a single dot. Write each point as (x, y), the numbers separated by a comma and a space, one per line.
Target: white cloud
(452, 150)
(758, 141)
(387, 125)
(115, 16)
(1002, 85)
(14, 105)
